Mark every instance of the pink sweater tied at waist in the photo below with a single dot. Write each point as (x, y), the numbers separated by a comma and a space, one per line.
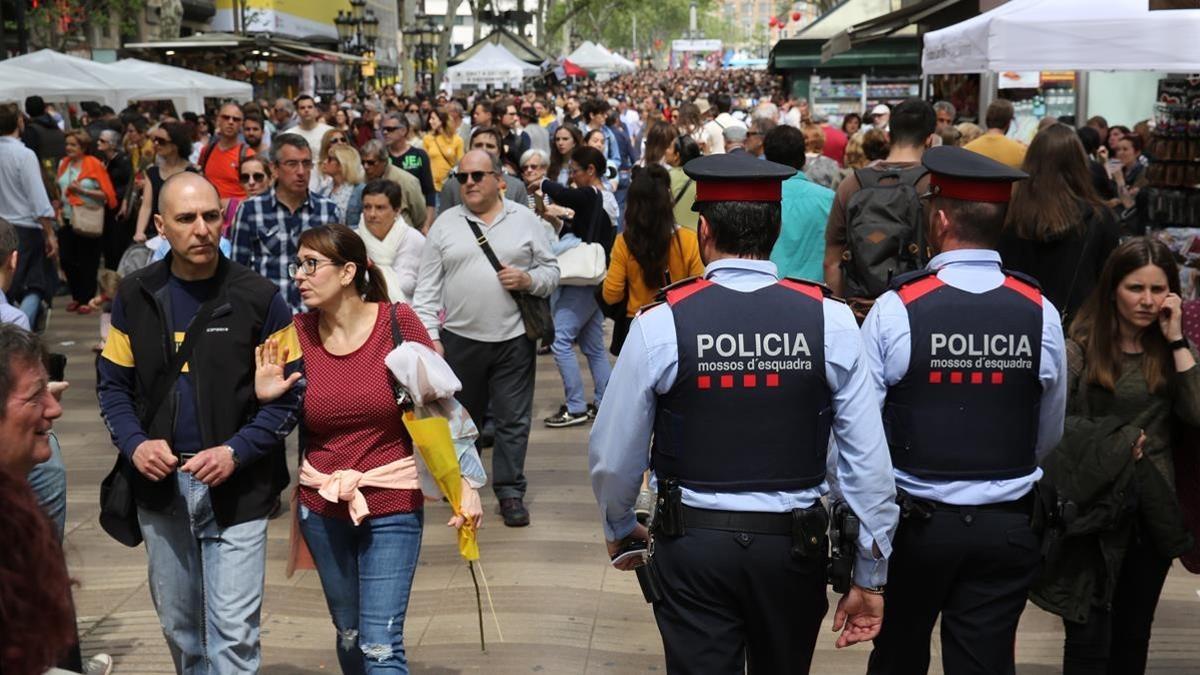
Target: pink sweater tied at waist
(343, 485)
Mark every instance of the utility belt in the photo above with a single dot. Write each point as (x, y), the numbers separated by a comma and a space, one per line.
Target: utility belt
(923, 509)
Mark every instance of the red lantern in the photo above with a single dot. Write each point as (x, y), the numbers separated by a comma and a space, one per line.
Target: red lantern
(772, 22)
(795, 16)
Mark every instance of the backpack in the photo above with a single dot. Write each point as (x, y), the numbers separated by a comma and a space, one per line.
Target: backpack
(207, 152)
(885, 230)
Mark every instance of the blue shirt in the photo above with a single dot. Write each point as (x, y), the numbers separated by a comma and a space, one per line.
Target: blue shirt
(10, 314)
(266, 237)
(647, 368)
(888, 347)
(800, 250)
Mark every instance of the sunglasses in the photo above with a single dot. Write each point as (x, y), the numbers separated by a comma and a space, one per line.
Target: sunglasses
(336, 140)
(255, 177)
(370, 162)
(531, 167)
(230, 118)
(159, 141)
(473, 176)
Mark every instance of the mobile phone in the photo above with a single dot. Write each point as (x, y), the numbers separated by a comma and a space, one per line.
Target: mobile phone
(630, 549)
(56, 367)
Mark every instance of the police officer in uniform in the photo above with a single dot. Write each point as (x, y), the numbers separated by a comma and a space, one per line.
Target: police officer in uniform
(969, 366)
(729, 390)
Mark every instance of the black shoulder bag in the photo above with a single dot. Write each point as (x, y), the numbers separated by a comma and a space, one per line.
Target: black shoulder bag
(118, 508)
(535, 311)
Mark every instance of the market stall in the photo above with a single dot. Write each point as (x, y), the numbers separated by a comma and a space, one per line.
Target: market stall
(16, 83)
(119, 86)
(597, 60)
(492, 66)
(199, 85)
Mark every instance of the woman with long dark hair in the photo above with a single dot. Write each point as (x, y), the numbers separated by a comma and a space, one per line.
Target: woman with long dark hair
(1127, 359)
(566, 138)
(366, 558)
(172, 145)
(1057, 230)
(659, 139)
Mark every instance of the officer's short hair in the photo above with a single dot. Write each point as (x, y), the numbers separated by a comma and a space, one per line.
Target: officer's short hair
(974, 222)
(744, 229)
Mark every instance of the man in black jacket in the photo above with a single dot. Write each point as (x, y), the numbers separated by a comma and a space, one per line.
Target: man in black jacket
(209, 459)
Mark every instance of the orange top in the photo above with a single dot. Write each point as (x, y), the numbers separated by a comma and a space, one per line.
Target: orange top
(624, 272)
(94, 169)
(221, 169)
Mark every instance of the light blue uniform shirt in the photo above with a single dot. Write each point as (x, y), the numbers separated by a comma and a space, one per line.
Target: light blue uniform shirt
(10, 314)
(648, 365)
(888, 348)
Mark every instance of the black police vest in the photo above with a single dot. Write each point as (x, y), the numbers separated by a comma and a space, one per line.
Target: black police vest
(750, 407)
(967, 409)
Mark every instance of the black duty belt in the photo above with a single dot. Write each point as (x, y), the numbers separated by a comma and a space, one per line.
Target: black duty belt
(1024, 505)
(754, 522)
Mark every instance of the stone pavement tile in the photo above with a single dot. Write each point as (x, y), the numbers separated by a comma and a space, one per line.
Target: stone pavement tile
(505, 658)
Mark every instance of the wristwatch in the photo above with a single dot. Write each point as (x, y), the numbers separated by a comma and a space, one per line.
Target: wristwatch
(233, 455)
(1181, 343)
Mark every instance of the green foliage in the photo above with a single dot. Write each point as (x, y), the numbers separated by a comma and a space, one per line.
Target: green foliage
(58, 24)
(610, 22)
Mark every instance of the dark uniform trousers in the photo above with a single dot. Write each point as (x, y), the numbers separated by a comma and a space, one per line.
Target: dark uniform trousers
(974, 566)
(736, 599)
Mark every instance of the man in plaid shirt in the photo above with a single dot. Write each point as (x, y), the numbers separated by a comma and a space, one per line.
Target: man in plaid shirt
(268, 226)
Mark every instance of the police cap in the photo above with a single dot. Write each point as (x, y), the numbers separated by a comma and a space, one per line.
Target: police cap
(957, 173)
(736, 177)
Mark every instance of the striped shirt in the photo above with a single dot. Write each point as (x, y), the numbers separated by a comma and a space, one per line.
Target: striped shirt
(266, 236)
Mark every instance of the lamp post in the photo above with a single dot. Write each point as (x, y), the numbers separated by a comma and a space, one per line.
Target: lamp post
(423, 35)
(358, 31)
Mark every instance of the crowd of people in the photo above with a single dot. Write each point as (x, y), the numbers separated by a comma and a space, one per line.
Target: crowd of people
(278, 246)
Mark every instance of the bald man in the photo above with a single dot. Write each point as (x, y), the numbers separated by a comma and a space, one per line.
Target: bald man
(204, 459)
(221, 159)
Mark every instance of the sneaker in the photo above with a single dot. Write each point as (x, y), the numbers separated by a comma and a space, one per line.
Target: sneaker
(592, 410)
(566, 418)
(100, 664)
(643, 508)
(514, 513)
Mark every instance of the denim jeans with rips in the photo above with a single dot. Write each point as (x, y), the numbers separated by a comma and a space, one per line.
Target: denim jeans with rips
(206, 582)
(366, 572)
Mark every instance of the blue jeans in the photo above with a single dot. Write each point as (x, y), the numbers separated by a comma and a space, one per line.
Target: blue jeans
(366, 572)
(577, 317)
(206, 582)
(49, 483)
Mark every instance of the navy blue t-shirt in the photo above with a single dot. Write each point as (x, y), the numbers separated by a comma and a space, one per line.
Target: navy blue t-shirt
(186, 299)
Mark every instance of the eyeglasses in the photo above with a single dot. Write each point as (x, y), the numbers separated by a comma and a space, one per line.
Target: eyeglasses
(255, 177)
(230, 118)
(293, 164)
(473, 176)
(369, 162)
(532, 167)
(308, 265)
(388, 130)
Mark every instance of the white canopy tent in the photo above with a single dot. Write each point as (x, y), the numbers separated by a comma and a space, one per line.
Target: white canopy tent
(121, 86)
(492, 65)
(199, 85)
(17, 83)
(597, 59)
(1031, 35)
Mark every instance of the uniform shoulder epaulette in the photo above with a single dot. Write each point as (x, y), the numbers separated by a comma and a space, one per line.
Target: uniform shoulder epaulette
(908, 278)
(648, 306)
(798, 284)
(681, 289)
(1023, 277)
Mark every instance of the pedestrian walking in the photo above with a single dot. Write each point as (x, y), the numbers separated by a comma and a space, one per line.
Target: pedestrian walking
(172, 144)
(25, 203)
(87, 195)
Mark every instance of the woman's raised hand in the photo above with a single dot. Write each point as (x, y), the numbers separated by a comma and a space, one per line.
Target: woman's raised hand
(269, 381)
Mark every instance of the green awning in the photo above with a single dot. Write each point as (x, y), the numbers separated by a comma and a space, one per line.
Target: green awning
(805, 55)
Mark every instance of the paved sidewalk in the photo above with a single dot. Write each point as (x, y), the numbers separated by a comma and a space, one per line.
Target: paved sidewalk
(560, 607)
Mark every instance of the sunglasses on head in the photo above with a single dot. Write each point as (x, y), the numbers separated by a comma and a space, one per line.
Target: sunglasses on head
(256, 177)
(474, 176)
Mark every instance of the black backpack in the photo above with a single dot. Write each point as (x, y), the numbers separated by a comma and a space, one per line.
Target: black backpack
(885, 230)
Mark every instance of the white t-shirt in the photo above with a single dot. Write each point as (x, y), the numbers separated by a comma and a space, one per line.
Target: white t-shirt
(714, 136)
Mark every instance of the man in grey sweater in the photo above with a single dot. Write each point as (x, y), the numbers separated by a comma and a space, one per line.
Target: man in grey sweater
(483, 336)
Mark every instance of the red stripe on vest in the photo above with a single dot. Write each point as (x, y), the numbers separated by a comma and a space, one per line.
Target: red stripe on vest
(911, 292)
(676, 295)
(1031, 293)
(811, 290)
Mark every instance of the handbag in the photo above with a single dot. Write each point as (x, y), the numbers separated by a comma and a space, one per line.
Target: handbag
(582, 265)
(535, 311)
(118, 508)
(87, 221)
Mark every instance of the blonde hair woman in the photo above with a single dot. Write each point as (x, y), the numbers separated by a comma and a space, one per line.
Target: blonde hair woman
(344, 167)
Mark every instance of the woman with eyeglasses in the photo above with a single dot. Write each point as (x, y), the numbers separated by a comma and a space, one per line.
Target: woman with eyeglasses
(577, 317)
(566, 138)
(443, 145)
(254, 174)
(172, 146)
(83, 182)
(683, 189)
(365, 544)
(344, 168)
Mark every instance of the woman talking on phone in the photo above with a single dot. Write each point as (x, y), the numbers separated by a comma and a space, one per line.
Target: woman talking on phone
(1128, 359)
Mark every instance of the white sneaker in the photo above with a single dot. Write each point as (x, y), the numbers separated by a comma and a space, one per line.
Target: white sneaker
(100, 664)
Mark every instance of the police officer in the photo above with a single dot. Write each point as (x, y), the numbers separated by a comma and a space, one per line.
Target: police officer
(734, 383)
(969, 366)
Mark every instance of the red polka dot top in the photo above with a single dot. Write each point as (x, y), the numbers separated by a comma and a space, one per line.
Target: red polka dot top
(350, 417)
